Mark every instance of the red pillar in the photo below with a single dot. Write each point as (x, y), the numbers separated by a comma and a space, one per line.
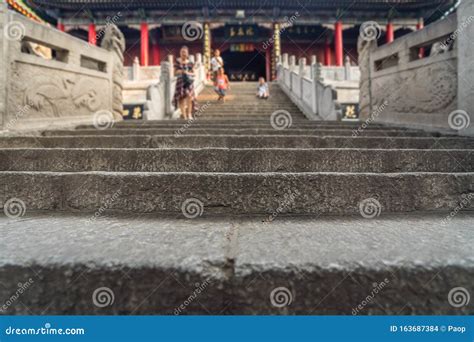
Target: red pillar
(420, 26)
(60, 25)
(390, 34)
(155, 53)
(338, 44)
(144, 44)
(327, 53)
(92, 35)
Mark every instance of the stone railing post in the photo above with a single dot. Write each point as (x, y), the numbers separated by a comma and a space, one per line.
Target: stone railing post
(465, 13)
(284, 60)
(302, 67)
(167, 79)
(3, 66)
(313, 67)
(347, 69)
(136, 69)
(114, 41)
(292, 63)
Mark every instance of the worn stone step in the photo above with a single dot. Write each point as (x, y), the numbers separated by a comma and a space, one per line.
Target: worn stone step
(238, 193)
(233, 265)
(235, 141)
(249, 131)
(250, 123)
(184, 125)
(237, 160)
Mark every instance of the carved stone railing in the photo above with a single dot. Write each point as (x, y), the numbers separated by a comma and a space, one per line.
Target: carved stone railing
(435, 92)
(159, 104)
(50, 79)
(137, 81)
(306, 88)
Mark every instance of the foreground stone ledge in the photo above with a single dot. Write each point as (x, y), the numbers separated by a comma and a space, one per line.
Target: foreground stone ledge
(249, 131)
(154, 265)
(234, 141)
(234, 193)
(236, 160)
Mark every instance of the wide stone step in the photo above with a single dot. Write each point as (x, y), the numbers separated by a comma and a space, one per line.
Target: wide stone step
(249, 131)
(245, 123)
(232, 265)
(236, 141)
(237, 160)
(237, 125)
(239, 193)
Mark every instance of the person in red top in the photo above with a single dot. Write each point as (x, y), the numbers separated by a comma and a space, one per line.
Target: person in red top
(221, 84)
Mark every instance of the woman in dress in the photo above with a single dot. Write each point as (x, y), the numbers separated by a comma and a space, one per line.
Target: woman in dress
(184, 96)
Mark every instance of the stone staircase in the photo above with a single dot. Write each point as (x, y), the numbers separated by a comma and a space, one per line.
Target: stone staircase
(248, 198)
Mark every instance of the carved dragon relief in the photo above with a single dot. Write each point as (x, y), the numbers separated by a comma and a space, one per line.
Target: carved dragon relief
(424, 90)
(80, 91)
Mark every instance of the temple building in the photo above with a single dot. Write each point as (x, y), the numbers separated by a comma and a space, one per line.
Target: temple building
(251, 34)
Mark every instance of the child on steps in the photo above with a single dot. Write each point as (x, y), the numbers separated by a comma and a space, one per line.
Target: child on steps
(221, 84)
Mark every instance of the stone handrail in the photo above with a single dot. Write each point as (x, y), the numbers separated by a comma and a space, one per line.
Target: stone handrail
(398, 87)
(159, 104)
(50, 79)
(306, 88)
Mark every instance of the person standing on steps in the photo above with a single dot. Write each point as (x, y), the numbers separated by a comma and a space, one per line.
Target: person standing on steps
(221, 84)
(216, 63)
(184, 96)
(262, 90)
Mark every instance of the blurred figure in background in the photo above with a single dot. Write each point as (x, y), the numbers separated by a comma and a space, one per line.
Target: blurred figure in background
(262, 90)
(221, 84)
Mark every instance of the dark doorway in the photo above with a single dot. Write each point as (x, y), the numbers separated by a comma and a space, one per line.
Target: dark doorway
(244, 66)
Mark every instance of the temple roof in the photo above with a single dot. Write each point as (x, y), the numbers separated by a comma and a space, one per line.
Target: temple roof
(312, 11)
(159, 4)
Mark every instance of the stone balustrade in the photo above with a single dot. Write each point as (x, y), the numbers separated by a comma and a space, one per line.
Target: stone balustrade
(434, 92)
(50, 79)
(159, 96)
(306, 88)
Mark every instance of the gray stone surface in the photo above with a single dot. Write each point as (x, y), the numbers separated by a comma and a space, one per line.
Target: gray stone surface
(237, 193)
(153, 265)
(248, 131)
(236, 160)
(235, 141)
